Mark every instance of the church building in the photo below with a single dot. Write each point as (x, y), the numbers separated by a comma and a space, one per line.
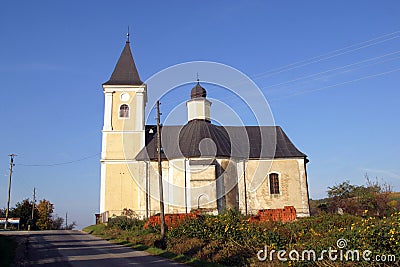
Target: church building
(204, 166)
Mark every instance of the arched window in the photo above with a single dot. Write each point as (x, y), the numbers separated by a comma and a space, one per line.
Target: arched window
(274, 183)
(124, 111)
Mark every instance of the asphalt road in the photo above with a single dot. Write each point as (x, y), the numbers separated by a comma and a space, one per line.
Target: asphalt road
(78, 249)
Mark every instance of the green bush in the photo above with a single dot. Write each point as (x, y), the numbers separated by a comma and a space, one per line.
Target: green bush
(126, 224)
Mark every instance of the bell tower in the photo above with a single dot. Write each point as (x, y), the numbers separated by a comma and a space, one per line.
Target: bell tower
(123, 136)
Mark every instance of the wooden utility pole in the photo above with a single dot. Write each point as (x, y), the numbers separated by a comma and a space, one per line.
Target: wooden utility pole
(33, 208)
(160, 182)
(34, 202)
(66, 221)
(9, 188)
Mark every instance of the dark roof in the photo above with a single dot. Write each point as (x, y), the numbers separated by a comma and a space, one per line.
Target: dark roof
(125, 72)
(198, 91)
(199, 138)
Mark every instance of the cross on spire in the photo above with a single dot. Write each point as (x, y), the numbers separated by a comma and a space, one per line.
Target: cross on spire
(127, 35)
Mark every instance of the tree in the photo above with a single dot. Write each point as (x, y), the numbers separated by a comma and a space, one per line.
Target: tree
(342, 190)
(43, 218)
(70, 226)
(370, 199)
(23, 210)
(45, 211)
(57, 223)
(2, 213)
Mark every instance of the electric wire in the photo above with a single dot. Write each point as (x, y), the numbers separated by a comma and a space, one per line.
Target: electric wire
(324, 56)
(58, 164)
(337, 68)
(337, 84)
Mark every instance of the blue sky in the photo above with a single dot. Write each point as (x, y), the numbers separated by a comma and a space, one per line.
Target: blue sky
(339, 105)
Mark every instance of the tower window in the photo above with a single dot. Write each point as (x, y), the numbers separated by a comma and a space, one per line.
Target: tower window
(274, 183)
(124, 111)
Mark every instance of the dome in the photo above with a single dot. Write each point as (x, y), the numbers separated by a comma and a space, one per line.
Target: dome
(198, 91)
(195, 132)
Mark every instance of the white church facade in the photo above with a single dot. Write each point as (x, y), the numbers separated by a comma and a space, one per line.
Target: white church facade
(204, 166)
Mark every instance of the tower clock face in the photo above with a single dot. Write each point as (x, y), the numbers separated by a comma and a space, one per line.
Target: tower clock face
(125, 97)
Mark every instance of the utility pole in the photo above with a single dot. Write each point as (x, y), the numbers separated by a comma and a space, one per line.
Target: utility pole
(33, 208)
(9, 188)
(66, 220)
(34, 202)
(160, 182)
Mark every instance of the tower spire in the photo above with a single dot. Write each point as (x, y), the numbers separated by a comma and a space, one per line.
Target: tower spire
(125, 72)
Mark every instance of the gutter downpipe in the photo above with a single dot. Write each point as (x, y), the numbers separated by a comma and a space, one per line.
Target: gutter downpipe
(186, 208)
(147, 190)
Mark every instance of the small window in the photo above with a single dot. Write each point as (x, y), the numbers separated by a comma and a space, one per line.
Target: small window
(124, 111)
(274, 183)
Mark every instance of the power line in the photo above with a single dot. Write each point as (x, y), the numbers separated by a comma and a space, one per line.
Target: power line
(324, 56)
(325, 87)
(338, 84)
(338, 68)
(58, 164)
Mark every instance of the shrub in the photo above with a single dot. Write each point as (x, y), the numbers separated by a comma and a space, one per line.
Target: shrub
(187, 246)
(125, 223)
(150, 239)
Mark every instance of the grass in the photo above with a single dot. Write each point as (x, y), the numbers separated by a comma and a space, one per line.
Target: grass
(98, 230)
(7, 250)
